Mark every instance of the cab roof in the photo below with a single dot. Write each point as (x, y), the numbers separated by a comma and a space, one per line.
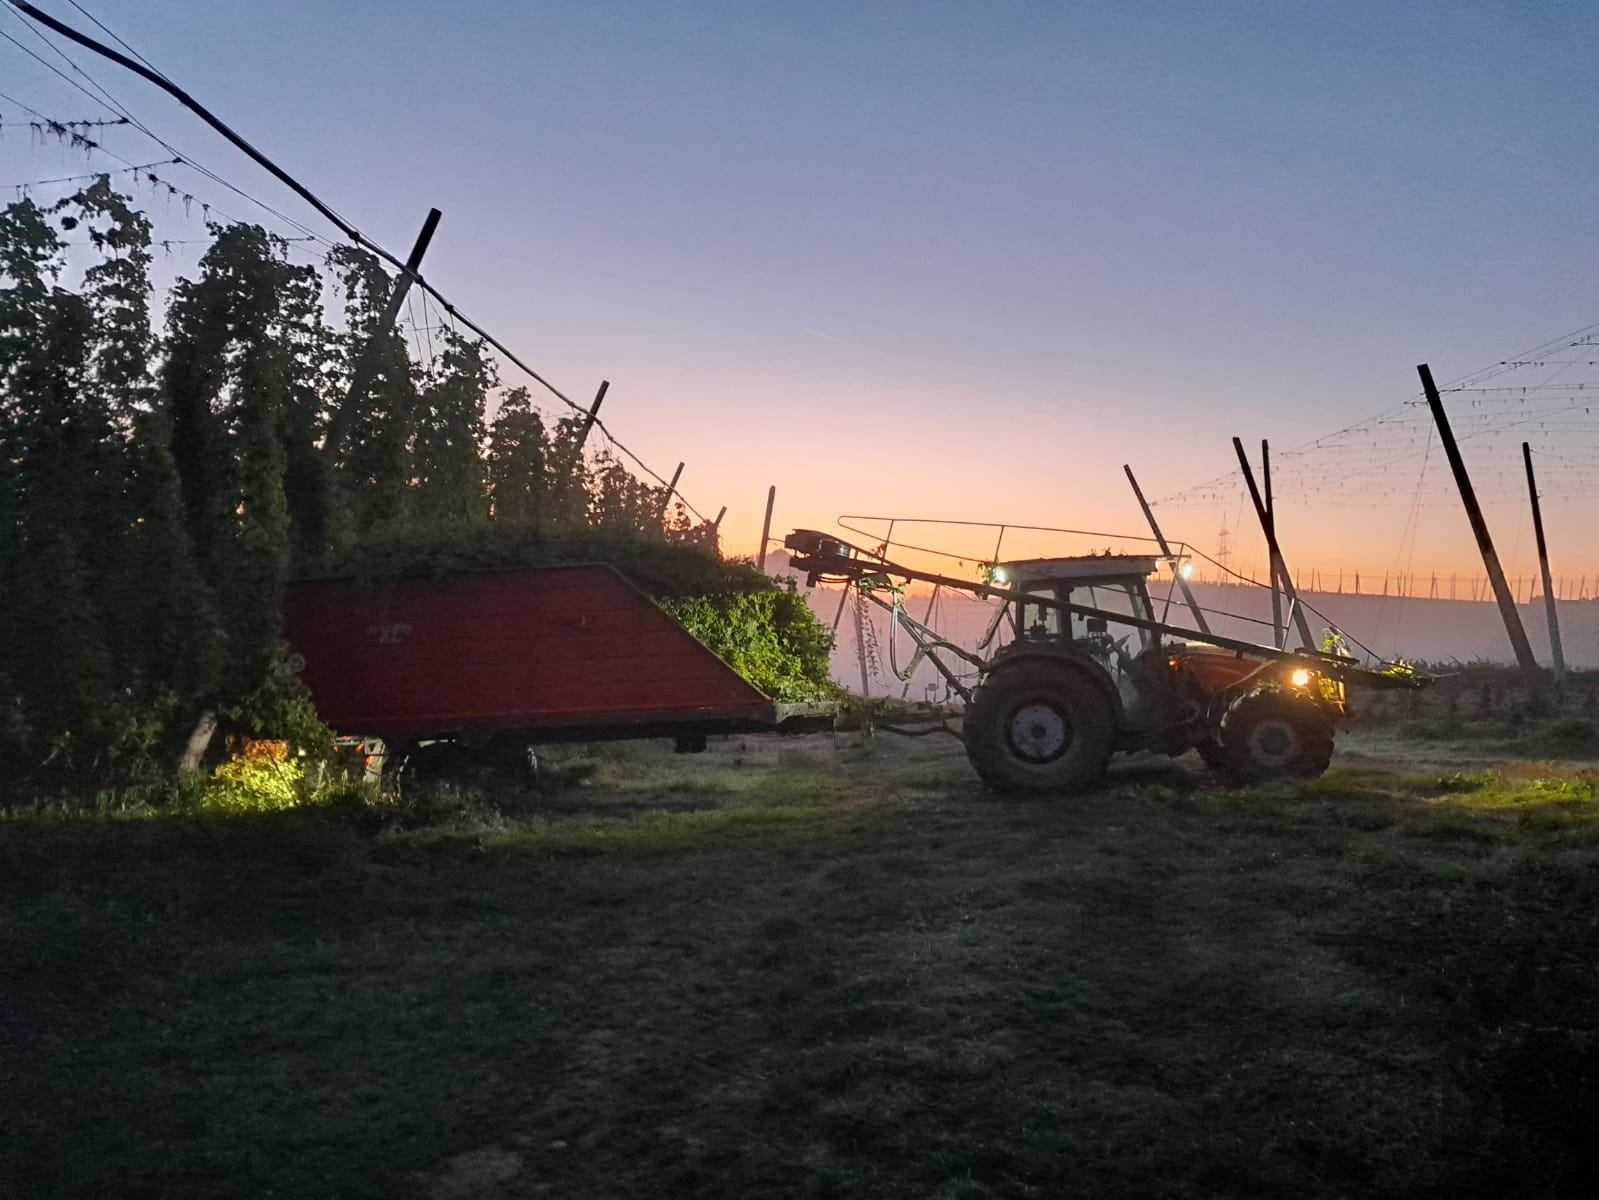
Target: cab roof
(1081, 566)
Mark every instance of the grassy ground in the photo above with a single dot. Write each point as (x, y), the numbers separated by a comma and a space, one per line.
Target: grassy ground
(813, 968)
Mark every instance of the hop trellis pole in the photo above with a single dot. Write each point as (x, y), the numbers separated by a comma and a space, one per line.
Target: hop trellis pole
(1479, 528)
(1555, 651)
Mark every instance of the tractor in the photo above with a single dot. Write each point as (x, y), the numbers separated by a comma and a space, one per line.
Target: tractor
(1083, 669)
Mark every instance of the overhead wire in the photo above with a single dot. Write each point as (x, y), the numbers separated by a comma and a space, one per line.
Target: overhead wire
(146, 169)
(112, 35)
(58, 125)
(1409, 535)
(416, 334)
(427, 327)
(33, 183)
(1408, 415)
(90, 146)
(109, 102)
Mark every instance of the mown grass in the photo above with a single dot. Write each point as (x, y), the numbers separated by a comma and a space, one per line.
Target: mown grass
(810, 971)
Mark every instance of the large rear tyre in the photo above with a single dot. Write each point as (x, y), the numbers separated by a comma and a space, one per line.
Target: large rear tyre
(1275, 734)
(1039, 726)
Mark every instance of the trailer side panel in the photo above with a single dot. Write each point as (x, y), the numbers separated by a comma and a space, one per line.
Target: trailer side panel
(549, 648)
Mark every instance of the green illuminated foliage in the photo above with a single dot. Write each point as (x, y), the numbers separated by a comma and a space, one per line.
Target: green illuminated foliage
(771, 638)
(261, 777)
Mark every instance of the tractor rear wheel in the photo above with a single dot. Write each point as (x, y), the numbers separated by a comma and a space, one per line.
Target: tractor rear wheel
(1039, 726)
(1274, 734)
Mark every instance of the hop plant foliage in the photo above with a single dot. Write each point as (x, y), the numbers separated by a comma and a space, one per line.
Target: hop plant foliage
(771, 638)
(167, 466)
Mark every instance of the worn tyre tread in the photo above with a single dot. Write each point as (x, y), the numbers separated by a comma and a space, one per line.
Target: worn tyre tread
(1091, 716)
(1312, 727)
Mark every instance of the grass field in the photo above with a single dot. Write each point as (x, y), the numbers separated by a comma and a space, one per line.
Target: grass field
(822, 968)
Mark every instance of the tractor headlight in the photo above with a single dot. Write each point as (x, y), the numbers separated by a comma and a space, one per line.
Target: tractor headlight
(1000, 576)
(1187, 569)
(1299, 678)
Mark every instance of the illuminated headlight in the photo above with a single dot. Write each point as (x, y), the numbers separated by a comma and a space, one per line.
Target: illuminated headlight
(1000, 576)
(1300, 677)
(1187, 569)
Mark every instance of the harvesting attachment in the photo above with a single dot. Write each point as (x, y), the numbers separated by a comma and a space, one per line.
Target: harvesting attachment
(1078, 667)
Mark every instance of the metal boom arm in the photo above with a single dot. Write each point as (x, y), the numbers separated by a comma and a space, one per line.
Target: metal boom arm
(822, 556)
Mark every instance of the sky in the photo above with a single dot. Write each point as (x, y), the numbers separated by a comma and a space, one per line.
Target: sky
(937, 259)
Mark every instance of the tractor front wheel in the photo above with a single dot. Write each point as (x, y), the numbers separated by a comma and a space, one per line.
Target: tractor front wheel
(1274, 734)
(1039, 726)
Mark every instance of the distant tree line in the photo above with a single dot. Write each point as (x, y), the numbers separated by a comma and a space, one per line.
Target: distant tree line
(159, 485)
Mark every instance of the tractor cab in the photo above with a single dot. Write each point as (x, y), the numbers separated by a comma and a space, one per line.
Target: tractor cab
(1105, 585)
(1078, 600)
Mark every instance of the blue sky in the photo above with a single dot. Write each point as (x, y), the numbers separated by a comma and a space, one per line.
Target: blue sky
(938, 259)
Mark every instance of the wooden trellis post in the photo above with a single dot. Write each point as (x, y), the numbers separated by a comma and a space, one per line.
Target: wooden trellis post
(1278, 569)
(1479, 528)
(1543, 566)
(1160, 539)
(766, 525)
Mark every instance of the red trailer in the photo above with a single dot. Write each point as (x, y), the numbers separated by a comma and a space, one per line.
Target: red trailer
(496, 660)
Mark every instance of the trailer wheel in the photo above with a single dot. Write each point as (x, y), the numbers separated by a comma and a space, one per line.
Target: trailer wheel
(1273, 734)
(501, 761)
(431, 760)
(1039, 726)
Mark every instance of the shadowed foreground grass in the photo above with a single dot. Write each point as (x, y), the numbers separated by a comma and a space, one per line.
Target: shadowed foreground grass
(814, 972)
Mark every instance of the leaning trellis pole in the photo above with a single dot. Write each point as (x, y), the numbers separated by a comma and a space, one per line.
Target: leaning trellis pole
(361, 373)
(587, 427)
(1278, 567)
(1479, 527)
(1268, 522)
(671, 490)
(1555, 649)
(366, 361)
(1160, 539)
